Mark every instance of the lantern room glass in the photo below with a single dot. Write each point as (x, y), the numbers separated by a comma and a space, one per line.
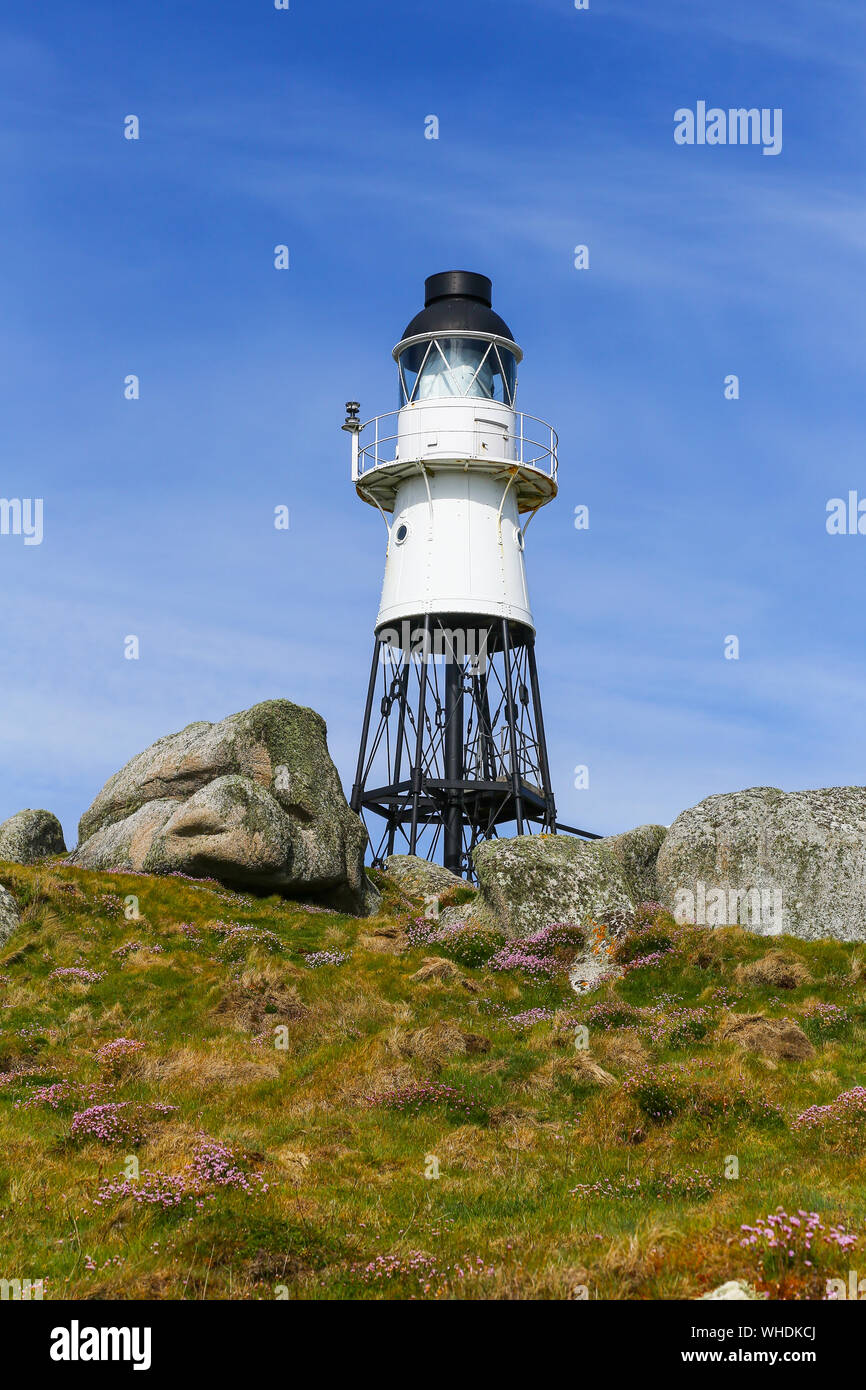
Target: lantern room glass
(455, 367)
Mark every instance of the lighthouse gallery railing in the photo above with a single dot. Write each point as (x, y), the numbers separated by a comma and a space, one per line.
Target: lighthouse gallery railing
(532, 444)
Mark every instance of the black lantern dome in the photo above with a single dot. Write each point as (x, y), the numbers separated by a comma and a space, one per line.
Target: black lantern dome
(458, 301)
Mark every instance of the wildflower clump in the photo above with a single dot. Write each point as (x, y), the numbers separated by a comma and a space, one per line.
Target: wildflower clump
(613, 1013)
(823, 1021)
(117, 1122)
(416, 1267)
(76, 974)
(316, 959)
(646, 962)
(214, 1165)
(420, 1275)
(785, 1242)
(417, 1097)
(528, 1018)
(52, 1095)
(647, 939)
(648, 912)
(121, 952)
(658, 1093)
(56, 1095)
(239, 938)
(543, 955)
(559, 936)
(191, 932)
(680, 1027)
(517, 956)
(113, 1057)
(110, 903)
(468, 944)
(842, 1123)
(687, 1185)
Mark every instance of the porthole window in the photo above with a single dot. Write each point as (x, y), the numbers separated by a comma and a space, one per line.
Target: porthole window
(401, 533)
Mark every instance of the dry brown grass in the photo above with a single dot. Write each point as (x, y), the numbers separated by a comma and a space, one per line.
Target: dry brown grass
(261, 999)
(388, 938)
(438, 1042)
(200, 1070)
(777, 1038)
(295, 1162)
(436, 968)
(611, 1120)
(172, 1146)
(630, 1260)
(621, 1048)
(776, 970)
(579, 1068)
(470, 1149)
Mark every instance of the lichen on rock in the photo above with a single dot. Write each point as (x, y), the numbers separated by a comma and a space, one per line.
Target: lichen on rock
(30, 836)
(790, 862)
(420, 877)
(254, 800)
(533, 881)
(9, 918)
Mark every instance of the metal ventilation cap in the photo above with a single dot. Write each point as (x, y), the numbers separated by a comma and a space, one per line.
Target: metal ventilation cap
(455, 302)
(464, 283)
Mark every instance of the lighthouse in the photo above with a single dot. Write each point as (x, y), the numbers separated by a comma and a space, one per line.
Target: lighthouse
(452, 745)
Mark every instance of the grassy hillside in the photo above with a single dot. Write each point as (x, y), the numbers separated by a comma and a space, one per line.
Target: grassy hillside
(288, 1109)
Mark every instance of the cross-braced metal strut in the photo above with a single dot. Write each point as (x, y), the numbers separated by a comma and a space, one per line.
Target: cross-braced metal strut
(455, 749)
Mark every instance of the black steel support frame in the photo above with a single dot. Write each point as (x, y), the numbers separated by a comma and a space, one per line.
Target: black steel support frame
(458, 749)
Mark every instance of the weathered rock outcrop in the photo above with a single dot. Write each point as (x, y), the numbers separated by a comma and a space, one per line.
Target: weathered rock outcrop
(254, 800)
(9, 918)
(419, 877)
(30, 836)
(532, 881)
(638, 851)
(771, 861)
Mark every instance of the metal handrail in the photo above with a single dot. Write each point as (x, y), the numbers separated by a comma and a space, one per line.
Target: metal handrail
(383, 449)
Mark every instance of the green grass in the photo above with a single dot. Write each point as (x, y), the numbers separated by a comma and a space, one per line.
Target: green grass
(546, 1184)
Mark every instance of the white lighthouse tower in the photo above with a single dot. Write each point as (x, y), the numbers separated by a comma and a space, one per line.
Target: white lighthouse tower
(453, 749)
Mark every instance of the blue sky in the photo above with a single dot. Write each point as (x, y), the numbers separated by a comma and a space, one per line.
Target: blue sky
(306, 127)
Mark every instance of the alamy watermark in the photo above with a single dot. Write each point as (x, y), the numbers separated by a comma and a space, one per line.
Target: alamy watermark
(77, 1343)
(846, 516)
(855, 1288)
(22, 516)
(737, 126)
(730, 907)
(461, 645)
(21, 1290)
